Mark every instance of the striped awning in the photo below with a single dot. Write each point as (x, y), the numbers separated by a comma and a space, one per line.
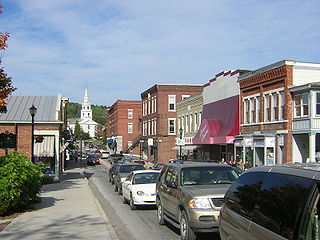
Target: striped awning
(45, 148)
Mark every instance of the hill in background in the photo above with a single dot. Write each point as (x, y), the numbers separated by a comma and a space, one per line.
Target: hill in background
(98, 112)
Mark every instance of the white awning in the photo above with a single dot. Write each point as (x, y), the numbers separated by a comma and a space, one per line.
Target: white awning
(185, 147)
(45, 148)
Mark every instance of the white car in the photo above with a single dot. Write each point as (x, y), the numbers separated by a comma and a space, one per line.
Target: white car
(139, 188)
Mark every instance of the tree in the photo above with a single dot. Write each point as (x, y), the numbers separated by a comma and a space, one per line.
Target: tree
(6, 87)
(77, 131)
(79, 134)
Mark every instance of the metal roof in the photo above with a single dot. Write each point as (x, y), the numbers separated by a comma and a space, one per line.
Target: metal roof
(48, 109)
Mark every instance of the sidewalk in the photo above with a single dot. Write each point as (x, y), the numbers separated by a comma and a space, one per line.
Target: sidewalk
(68, 210)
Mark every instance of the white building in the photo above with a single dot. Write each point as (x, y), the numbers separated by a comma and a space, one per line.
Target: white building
(85, 121)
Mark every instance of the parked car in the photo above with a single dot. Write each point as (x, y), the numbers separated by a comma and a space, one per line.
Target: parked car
(122, 172)
(112, 171)
(158, 166)
(115, 157)
(105, 155)
(93, 159)
(190, 195)
(139, 188)
(139, 162)
(276, 202)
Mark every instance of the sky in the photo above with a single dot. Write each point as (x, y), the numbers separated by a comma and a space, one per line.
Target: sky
(117, 49)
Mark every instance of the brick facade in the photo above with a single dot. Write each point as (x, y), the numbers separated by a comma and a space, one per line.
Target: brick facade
(118, 122)
(158, 140)
(267, 81)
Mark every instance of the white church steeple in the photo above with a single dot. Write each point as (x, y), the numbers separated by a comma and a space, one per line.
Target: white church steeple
(86, 112)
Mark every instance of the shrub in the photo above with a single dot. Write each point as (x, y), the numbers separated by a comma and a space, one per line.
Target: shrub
(20, 182)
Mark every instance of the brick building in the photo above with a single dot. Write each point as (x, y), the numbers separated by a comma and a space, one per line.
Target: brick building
(124, 126)
(159, 120)
(266, 132)
(49, 124)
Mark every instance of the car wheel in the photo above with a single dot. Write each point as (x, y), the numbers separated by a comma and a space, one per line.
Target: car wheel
(186, 233)
(119, 191)
(160, 214)
(116, 188)
(132, 206)
(124, 200)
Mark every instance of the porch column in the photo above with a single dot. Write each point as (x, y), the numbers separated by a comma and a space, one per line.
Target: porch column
(312, 147)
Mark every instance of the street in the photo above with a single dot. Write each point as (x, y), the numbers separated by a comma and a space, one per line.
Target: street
(139, 224)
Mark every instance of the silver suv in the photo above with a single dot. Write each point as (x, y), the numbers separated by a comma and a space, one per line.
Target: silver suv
(190, 195)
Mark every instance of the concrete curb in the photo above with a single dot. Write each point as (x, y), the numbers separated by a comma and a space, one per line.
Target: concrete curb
(110, 229)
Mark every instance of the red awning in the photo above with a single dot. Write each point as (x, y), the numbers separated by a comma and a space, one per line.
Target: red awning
(220, 122)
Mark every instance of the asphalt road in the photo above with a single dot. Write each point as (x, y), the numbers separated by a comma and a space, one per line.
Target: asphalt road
(140, 224)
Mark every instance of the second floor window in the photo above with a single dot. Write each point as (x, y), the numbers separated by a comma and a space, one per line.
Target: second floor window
(172, 126)
(267, 109)
(301, 105)
(130, 127)
(130, 113)
(172, 103)
(318, 104)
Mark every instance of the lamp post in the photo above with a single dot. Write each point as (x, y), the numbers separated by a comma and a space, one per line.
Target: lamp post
(33, 111)
(180, 154)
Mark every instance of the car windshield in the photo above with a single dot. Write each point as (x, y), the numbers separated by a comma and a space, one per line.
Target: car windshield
(208, 175)
(130, 168)
(145, 178)
(93, 156)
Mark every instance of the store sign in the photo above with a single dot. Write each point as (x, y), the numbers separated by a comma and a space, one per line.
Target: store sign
(259, 142)
(180, 142)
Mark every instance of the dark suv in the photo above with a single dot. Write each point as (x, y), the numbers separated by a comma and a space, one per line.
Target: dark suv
(276, 202)
(189, 195)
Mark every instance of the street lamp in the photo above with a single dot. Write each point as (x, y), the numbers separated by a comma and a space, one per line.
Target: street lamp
(33, 111)
(180, 132)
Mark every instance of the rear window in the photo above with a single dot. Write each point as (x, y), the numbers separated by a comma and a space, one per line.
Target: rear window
(130, 168)
(208, 175)
(145, 178)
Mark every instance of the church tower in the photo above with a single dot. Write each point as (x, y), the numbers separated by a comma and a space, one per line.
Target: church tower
(86, 112)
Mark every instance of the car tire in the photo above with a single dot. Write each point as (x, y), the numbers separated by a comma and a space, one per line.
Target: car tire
(119, 191)
(131, 202)
(124, 200)
(186, 233)
(116, 188)
(160, 214)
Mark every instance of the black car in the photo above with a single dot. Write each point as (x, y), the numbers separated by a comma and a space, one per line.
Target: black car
(121, 173)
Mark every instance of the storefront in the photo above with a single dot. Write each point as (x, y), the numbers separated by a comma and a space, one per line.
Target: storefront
(255, 150)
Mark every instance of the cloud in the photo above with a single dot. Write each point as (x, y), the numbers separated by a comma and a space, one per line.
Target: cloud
(118, 49)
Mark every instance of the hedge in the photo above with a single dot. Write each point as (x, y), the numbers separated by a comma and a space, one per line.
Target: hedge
(20, 182)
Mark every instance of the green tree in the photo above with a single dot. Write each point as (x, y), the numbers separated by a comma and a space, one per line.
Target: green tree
(79, 134)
